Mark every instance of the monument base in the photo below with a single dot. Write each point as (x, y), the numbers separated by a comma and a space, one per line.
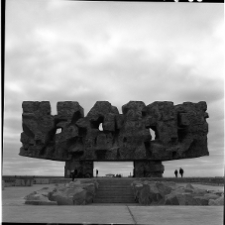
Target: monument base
(143, 168)
(148, 168)
(82, 169)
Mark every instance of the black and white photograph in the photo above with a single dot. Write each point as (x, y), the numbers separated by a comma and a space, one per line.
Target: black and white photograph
(113, 112)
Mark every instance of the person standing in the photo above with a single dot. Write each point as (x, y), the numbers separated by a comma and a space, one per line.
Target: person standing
(96, 173)
(176, 172)
(74, 174)
(181, 172)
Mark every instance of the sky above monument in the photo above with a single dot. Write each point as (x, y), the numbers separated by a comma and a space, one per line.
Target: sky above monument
(113, 51)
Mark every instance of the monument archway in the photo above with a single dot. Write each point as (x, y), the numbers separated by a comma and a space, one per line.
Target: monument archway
(110, 168)
(141, 168)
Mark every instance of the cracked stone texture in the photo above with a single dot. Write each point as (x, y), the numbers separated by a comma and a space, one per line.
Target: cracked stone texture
(169, 193)
(180, 132)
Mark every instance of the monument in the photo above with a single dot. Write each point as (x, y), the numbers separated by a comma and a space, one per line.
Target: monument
(180, 133)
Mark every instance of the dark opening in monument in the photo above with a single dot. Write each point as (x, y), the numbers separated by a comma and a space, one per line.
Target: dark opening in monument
(100, 127)
(58, 130)
(152, 132)
(96, 123)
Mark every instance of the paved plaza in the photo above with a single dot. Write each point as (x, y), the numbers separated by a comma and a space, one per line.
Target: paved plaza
(14, 210)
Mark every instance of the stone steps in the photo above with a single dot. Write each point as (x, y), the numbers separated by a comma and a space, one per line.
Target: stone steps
(114, 191)
(113, 200)
(109, 193)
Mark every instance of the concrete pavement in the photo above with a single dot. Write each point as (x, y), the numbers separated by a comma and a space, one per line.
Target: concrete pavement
(14, 210)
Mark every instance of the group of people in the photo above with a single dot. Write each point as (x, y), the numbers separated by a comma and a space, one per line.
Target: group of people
(181, 171)
(118, 175)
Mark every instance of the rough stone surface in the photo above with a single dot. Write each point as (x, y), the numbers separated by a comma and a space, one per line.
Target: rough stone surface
(166, 193)
(211, 196)
(201, 200)
(218, 201)
(40, 197)
(180, 132)
(73, 193)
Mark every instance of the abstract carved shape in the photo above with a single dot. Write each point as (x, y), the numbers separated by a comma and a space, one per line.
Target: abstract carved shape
(180, 132)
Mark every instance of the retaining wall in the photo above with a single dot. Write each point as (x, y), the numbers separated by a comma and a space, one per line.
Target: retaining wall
(8, 181)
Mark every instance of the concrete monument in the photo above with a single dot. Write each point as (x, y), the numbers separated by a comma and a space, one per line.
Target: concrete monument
(180, 132)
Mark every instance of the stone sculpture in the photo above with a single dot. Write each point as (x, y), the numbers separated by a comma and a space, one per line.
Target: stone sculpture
(145, 192)
(169, 193)
(73, 193)
(180, 132)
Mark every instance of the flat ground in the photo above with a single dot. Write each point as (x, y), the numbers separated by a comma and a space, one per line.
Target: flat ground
(14, 210)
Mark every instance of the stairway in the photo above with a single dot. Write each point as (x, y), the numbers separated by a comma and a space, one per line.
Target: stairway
(114, 190)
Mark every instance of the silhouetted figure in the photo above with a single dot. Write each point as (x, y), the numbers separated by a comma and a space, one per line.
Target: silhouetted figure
(181, 172)
(74, 174)
(96, 173)
(176, 172)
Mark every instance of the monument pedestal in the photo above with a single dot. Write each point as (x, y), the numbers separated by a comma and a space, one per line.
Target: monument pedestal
(148, 168)
(82, 168)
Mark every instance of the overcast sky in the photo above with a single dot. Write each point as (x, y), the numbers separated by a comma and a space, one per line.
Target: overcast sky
(114, 51)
